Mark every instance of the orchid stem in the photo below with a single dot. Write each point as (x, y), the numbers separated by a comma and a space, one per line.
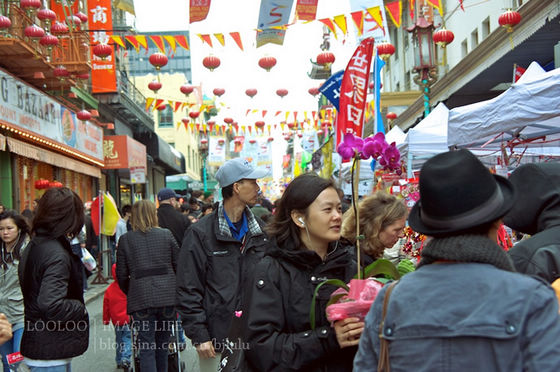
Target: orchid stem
(355, 184)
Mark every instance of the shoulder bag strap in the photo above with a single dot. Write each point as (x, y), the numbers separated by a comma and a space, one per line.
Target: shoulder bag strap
(383, 363)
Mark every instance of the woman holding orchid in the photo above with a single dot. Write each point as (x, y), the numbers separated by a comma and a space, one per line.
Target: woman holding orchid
(276, 314)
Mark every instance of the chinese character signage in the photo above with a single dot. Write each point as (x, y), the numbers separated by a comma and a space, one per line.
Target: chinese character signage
(353, 91)
(306, 10)
(124, 152)
(103, 71)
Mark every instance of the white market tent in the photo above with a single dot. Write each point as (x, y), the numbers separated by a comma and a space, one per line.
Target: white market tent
(426, 139)
(527, 114)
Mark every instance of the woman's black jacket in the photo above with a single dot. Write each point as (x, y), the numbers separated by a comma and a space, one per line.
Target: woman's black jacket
(276, 316)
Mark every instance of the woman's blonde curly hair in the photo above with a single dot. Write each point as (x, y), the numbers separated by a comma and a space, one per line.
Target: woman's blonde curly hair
(377, 211)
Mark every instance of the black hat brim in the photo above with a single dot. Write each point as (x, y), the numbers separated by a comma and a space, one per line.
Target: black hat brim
(416, 223)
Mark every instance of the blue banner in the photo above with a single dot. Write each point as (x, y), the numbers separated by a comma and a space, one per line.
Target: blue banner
(331, 88)
(378, 64)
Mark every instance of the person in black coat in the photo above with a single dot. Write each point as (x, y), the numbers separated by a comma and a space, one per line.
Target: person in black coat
(537, 212)
(146, 266)
(169, 216)
(276, 311)
(56, 320)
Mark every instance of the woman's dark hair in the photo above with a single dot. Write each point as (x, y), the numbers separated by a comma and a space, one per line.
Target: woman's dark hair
(205, 207)
(298, 196)
(60, 213)
(21, 223)
(185, 207)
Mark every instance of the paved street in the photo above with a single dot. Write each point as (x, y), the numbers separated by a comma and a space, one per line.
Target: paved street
(100, 356)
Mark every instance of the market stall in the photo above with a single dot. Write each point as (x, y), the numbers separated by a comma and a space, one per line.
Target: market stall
(527, 115)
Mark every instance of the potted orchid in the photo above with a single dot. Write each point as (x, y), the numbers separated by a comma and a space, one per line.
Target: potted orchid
(356, 297)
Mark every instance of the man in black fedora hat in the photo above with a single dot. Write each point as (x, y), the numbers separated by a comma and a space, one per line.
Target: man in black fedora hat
(464, 308)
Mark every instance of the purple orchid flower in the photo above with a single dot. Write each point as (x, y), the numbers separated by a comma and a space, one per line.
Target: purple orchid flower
(391, 157)
(350, 146)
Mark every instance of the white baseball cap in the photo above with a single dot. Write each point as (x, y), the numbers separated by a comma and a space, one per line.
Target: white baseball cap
(238, 169)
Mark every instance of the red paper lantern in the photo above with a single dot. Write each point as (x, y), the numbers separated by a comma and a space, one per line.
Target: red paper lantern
(211, 62)
(211, 122)
(204, 141)
(55, 184)
(270, 139)
(259, 124)
(154, 86)
(291, 125)
(194, 114)
(162, 107)
(325, 59)
(282, 92)
(325, 124)
(186, 89)
(34, 32)
(5, 22)
(84, 76)
(59, 28)
(313, 91)
(237, 141)
(251, 92)
(221, 141)
(83, 18)
(385, 50)
(76, 21)
(30, 6)
(391, 116)
(102, 50)
(509, 19)
(61, 72)
(46, 15)
(228, 120)
(287, 138)
(442, 37)
(158, 60)
(219, 91)
(267, 62)
(49, 41)
(83, 115)
(252, 141)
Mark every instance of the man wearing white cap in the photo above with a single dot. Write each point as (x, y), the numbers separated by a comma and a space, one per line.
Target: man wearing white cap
(218, 254)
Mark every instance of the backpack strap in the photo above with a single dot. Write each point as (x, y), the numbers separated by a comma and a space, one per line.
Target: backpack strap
(383, 363)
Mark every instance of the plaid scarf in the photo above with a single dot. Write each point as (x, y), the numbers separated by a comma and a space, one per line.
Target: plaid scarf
(252, 224)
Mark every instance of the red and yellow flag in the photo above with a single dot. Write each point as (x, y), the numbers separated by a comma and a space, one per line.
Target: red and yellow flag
(394, 9)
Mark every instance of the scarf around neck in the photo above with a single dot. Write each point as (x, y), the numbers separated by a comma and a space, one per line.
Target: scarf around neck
(466, 248)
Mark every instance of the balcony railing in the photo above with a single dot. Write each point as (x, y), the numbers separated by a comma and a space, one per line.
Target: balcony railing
(72, 50)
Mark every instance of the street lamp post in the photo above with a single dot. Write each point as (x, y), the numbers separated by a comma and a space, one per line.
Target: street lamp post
(425, 60)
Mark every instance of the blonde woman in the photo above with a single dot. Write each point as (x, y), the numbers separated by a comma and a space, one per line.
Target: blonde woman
(146, 265)
(382, 222)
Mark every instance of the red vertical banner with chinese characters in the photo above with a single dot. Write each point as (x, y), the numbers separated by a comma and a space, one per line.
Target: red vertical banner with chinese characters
(63, 10)
(353, 91)
(103, 71)
(198, 10)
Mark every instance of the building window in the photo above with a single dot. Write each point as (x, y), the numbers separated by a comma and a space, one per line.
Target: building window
(464, 48)
(485, 28)
(395, 42)
(165, 118)
(474, 38)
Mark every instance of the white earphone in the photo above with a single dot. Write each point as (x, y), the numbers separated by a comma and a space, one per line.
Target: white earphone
(300, 219)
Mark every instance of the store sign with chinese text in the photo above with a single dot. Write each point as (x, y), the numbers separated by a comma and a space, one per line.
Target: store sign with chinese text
(25, 107)
(123, 152)
(103, 71)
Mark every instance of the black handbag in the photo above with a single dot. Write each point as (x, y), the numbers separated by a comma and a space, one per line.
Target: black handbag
(233, 352)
